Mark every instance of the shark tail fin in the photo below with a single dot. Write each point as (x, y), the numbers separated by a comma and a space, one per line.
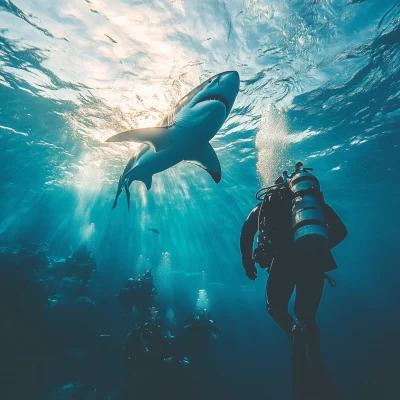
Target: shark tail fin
(119, 190)
(128, 194)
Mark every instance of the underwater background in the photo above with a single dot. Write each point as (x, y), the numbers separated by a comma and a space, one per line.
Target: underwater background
(320, 83)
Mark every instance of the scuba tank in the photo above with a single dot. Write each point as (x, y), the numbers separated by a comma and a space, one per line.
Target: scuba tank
(309, 228)
(290, 213)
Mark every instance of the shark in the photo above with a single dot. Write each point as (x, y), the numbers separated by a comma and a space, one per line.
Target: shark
(183, 134)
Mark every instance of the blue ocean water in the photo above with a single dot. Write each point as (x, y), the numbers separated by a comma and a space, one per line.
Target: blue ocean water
(320, 82)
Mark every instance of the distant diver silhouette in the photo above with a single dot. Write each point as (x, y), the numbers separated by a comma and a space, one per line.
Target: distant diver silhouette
(296, 231)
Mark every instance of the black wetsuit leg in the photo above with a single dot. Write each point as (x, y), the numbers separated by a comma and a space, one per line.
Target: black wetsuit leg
(309, 288)
(280, 286)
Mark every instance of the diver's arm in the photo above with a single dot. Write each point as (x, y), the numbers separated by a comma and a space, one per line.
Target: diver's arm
(337, 230)
(249, 229)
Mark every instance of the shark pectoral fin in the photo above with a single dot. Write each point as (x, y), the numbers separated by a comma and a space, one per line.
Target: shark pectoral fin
(158, 138)
(205, 158)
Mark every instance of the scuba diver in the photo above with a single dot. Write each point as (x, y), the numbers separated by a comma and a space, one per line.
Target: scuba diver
(146, 342)
(138, 292)
(154, 363)
(200, 326)
(296, 232)
(198, 333)
(81, 265)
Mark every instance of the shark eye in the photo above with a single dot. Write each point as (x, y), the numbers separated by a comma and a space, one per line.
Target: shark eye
(209, 81)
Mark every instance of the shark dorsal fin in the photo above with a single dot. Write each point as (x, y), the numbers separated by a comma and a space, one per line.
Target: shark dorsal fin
(205, 158)
(158, 138)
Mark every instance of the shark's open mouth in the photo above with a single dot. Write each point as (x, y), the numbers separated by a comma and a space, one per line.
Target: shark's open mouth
(217, 98)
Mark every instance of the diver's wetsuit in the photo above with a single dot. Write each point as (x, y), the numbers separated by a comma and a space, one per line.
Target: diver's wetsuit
(290, 268)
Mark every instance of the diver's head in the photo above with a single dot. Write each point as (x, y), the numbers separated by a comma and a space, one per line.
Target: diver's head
(282, 178)
(298, 166)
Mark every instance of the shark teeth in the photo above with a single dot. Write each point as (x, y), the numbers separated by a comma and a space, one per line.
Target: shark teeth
(217, 98)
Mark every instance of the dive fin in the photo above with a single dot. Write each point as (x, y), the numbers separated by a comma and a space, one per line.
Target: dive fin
(205, 157)
(158, 138)
(128, 194)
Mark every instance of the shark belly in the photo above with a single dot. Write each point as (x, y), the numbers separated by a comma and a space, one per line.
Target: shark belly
(150, 163)
(154, 163)
(196, 126)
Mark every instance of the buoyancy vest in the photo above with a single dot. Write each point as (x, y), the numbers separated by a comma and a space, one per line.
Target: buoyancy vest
(275, 233)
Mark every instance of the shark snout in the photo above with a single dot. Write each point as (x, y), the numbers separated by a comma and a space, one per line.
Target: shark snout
(230, 79)
(234, 75)
(227, 87)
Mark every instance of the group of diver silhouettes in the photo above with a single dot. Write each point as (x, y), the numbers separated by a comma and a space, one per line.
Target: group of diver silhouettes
(152, 354)
(296, 232)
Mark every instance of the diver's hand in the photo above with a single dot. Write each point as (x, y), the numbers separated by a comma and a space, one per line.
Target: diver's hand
(250, 268)
(252, 274)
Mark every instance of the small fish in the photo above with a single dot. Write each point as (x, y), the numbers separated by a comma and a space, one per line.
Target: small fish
(109, 37)
(330, 280)
(154, 230)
